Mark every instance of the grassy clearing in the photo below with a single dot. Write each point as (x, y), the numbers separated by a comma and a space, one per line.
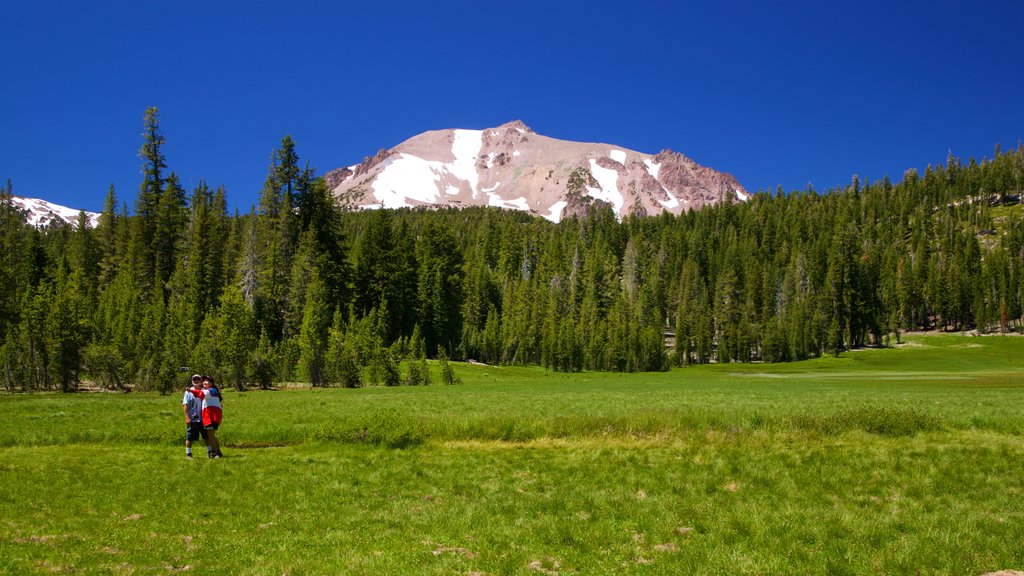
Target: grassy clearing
(835, 466)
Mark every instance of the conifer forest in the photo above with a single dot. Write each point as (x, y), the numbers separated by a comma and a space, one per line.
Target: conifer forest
(297, 289)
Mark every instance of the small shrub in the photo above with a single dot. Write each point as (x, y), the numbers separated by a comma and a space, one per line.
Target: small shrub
(419, 374)
(447, 374)
(388, 367)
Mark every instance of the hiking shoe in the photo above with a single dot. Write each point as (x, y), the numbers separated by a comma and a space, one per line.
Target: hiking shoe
(216, 455)
(188, 456)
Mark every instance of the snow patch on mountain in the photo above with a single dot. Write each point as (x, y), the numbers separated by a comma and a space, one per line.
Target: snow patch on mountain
(652, 168)
(672, 203)
(618, 155)
(555, 213)
(465, 147)
(402, 179)
(41, 213)
(609, 190)
(516, 203)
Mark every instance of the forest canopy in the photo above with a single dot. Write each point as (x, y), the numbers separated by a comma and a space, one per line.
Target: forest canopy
(298, 289)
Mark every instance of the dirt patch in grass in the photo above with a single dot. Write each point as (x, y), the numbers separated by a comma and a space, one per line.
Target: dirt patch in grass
(454, 550)
(256, 445)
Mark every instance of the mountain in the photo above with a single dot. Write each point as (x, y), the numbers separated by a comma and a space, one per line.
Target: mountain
(511, 166)
(41, 213)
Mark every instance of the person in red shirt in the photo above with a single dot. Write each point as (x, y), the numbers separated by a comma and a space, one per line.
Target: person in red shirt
(212, 415)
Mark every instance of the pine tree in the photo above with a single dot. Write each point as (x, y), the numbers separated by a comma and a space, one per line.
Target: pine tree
(169, 229)
(316, 319)
(237, 337)
(385, 272)
(107, 230)
(448, 376)
(440, 288)
(66, 331)
(342, 363)
(15, 259)
(147, 206)
(262, 362)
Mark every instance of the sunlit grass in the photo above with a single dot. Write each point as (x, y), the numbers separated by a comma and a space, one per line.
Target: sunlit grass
(881, 461)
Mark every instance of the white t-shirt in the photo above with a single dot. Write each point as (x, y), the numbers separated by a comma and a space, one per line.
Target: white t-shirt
(195, 405)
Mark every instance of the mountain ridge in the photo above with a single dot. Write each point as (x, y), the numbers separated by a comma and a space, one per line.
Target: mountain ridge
(40, 212)
(511, 166)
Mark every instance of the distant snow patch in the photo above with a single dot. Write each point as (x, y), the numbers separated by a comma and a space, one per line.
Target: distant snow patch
(517, 203)
(555, 213)
(618, 155)
(41, 212)
(515, 152)
(743, 197)
(609, 191)
(492, 188)
(672, 201)
(465, 147)
(402, 178)
(652, 168)
(490, 158)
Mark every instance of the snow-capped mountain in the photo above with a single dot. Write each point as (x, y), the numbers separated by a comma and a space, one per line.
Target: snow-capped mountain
(511, 166)
(42, 213)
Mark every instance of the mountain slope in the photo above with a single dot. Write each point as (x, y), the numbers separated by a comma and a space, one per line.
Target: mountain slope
(513, 167)
(41, 213)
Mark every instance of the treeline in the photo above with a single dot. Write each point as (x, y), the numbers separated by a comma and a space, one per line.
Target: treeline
(297, 289)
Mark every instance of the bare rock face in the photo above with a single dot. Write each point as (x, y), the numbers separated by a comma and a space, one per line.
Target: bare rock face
(336, 177)
(511, 166)
(370, 162)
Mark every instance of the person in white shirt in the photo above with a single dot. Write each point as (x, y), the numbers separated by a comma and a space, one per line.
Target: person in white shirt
(192, 406)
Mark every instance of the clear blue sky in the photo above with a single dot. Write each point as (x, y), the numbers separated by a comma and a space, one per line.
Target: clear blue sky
(776, 93)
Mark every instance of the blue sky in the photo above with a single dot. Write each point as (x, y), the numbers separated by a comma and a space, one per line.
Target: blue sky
(777, 93)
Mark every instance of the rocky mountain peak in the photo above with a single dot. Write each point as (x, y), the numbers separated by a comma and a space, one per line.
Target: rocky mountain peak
(511, 166)
(515, 125)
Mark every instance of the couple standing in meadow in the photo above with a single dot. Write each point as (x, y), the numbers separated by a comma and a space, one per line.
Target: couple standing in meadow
(202, 408)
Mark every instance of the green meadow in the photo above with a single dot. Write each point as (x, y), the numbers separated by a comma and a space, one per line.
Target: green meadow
(905, 460)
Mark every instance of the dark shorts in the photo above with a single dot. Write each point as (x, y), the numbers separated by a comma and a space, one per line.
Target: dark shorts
(194, 430)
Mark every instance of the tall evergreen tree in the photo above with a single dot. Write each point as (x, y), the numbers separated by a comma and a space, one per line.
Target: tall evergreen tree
(147, 204)
(440, 288)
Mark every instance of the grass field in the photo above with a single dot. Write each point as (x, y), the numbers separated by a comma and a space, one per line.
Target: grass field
(891, 461)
